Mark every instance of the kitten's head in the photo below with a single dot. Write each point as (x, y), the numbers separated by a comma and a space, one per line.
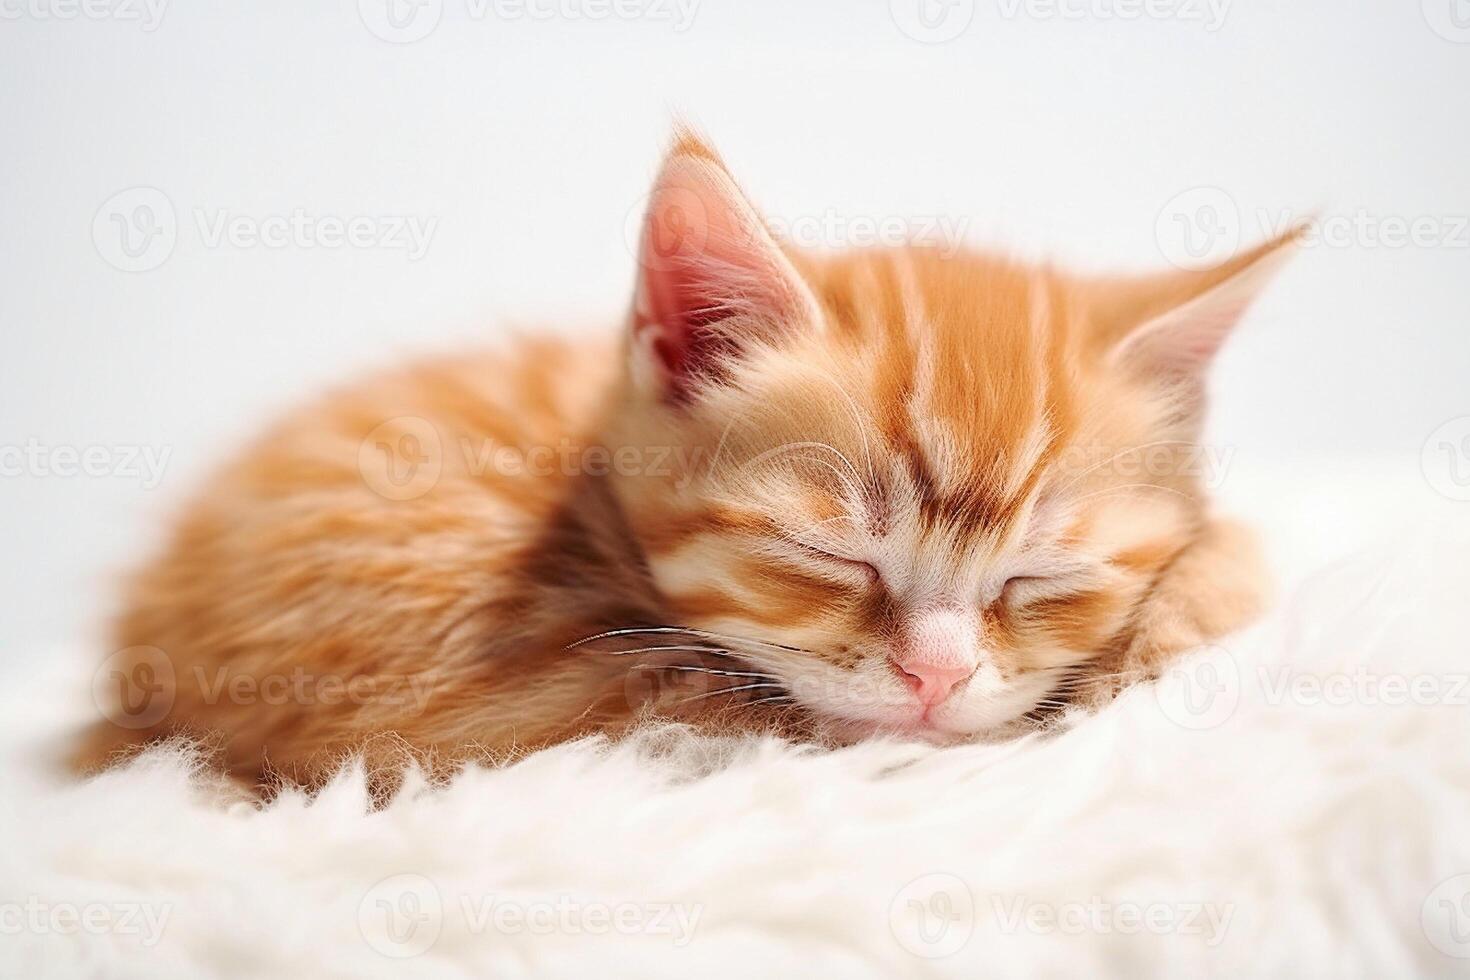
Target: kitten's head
(922, 492)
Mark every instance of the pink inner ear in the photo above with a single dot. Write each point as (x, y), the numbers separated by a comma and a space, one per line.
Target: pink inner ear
(1199, 310)
(677, 297)
(709, 273)
(1184, 341)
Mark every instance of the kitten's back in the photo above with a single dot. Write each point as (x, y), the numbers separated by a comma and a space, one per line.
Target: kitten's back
(367, 550)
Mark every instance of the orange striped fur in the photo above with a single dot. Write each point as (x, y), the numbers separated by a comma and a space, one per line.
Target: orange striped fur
(785, 459)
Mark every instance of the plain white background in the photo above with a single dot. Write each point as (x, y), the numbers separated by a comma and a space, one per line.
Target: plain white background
(522, 135)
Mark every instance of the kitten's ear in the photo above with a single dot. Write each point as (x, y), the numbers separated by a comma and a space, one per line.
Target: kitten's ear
(1169, 327)
(711, 280)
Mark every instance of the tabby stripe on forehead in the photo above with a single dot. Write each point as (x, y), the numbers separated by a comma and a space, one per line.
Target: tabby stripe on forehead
(894, 386)
(916, 370)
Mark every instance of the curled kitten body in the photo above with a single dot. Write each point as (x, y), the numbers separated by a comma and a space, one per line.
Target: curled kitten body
(823, 494)
(1216, 584)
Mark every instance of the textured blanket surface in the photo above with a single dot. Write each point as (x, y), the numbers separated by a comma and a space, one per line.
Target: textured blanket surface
(1294, 801)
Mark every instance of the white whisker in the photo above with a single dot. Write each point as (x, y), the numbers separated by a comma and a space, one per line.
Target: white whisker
(728, 690)
(706, 670)
(676, 648)
(691, 631)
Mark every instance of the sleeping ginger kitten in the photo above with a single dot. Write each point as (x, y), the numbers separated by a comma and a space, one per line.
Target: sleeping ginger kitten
(825, 494)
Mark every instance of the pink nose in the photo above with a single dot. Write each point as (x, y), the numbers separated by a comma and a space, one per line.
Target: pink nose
(931, 682)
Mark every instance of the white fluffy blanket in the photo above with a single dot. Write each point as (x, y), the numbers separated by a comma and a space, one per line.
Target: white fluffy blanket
(1294, 802)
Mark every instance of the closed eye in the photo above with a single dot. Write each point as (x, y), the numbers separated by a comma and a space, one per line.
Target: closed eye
(865, 568)
(1023, 588)
(1075, 573)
